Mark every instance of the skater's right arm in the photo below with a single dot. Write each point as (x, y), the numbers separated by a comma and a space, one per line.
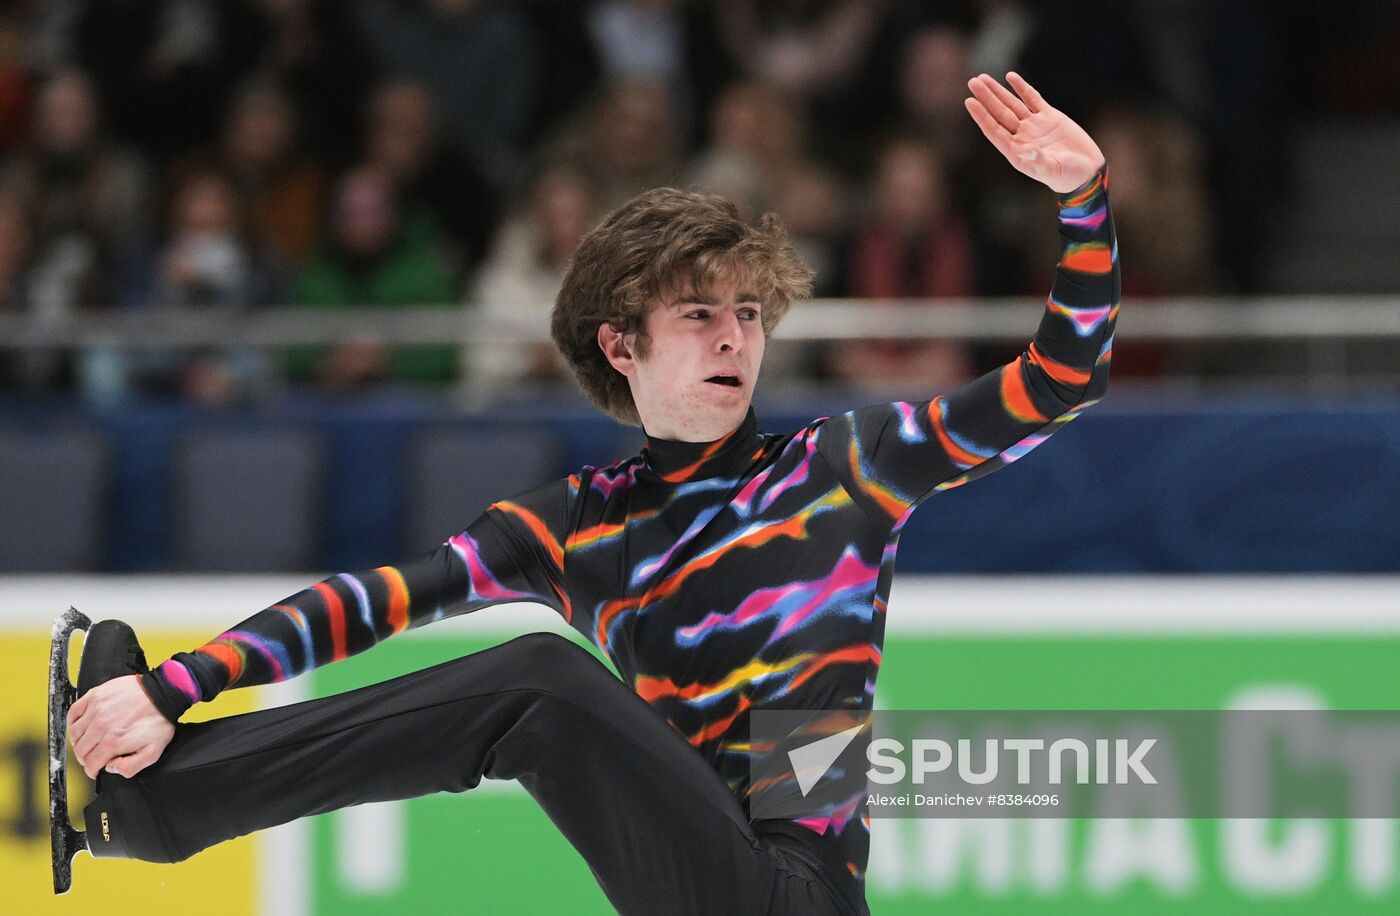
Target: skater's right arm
(512, 552)
(892, 456)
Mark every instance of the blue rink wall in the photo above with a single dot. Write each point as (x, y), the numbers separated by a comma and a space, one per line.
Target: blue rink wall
(996, 642)
(1256, 486)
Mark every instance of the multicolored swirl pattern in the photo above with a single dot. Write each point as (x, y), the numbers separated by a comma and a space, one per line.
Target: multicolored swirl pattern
(721, 577)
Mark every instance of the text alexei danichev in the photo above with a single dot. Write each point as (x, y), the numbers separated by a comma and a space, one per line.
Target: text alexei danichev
(990, 800)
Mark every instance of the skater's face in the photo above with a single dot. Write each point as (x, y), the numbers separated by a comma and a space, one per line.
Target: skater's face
(693, 379)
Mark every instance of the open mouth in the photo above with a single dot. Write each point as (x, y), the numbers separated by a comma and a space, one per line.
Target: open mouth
(729, 381)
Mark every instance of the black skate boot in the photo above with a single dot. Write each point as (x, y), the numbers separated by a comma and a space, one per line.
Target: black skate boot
(115, 824)
(111, 651)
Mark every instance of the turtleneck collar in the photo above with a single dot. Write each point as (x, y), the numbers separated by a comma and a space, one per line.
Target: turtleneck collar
(677, 462)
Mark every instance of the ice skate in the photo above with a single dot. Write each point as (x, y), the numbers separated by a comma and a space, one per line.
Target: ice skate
(110, 650)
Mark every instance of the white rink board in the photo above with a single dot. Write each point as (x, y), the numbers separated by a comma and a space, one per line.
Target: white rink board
(918, 604)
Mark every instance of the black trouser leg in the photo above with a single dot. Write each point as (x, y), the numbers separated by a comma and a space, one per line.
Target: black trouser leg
(657, 826)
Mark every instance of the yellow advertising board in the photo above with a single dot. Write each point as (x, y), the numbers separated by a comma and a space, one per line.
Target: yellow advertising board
(224, 878)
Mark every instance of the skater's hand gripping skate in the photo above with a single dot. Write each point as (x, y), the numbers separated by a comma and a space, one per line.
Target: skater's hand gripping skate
(1040, 141)
(116, 727)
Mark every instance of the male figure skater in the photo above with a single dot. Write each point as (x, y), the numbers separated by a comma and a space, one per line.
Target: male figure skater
(722, 570)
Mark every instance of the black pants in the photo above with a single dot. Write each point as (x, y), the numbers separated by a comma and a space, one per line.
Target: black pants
(659, 829)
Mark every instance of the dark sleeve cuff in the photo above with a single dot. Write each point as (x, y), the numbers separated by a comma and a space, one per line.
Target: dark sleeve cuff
(171, 703)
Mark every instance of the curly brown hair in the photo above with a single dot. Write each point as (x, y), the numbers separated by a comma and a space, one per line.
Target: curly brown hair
(648, 249)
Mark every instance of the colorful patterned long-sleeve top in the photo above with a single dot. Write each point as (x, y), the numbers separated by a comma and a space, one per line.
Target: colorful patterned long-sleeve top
(720, 577)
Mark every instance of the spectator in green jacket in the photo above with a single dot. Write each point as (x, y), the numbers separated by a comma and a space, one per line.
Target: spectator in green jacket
(375, 256)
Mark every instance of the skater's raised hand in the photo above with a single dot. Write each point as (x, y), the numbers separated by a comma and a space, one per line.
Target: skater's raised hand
(1038, 140)
(116, 727)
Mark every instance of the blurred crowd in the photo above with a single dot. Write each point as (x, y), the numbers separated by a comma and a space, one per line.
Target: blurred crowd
(228, 155)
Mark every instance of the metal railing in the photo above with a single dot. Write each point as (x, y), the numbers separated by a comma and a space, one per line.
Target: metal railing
(1275, 318)
(1324, 326)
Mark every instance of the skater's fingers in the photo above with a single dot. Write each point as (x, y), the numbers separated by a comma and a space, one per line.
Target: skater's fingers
(88, 760)
(102, 754)
(88, 731)
(75, 712)
(1017, 107)
(981, 88)
(76, 729)
(991, 128)
(85, 745)
(131, 764)
(1026, 91)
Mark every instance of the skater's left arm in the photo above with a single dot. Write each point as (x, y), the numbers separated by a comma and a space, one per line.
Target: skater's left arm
(890, 456)
(510, 553)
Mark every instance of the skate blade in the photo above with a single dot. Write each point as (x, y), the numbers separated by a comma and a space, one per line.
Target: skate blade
(67, 842)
